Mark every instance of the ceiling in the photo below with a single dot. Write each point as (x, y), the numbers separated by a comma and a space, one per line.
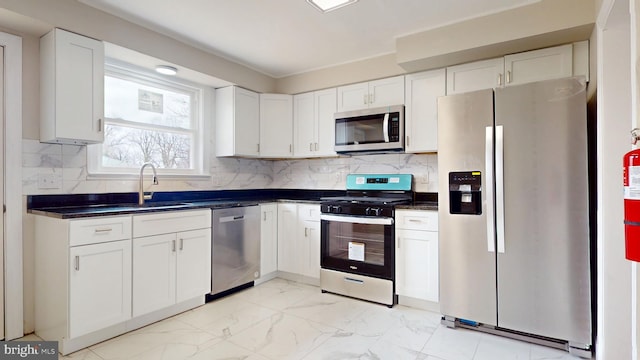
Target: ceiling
(285, 37)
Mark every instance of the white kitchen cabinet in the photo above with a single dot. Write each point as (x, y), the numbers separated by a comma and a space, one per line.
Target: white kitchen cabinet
(521, 68)
(237, 122)
(299, 240)
(485, 74)
(287, 234)
(71, 88)
(417, 254)
(82, 278)
(314, 124)
(309, 227)
(421, 110)
(550, 63)
(276, 125)
(268, 239)
(171, 259)
(377, 93)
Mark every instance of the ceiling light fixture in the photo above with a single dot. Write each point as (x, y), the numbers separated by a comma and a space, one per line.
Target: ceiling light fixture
(166, 70)
(330, 5)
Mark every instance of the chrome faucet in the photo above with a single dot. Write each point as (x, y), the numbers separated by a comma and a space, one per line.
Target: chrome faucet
(141, 195)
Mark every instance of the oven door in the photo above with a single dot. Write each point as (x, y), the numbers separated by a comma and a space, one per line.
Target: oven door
(358, 245)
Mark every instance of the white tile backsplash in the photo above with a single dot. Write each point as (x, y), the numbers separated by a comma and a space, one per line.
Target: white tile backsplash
(69, 162)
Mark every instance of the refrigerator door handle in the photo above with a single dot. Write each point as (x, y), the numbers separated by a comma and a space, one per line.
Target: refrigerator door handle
(500, 187)
(488, 153)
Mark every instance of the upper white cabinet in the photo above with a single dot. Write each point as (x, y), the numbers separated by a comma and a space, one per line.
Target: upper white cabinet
(276, 125)
(421, 110)
(383, 92)
(71, 88)
(237, 122)
(313, 123)
(485, 74)
(537, 65)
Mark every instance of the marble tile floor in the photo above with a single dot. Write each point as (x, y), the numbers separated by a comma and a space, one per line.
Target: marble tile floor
(281, 319)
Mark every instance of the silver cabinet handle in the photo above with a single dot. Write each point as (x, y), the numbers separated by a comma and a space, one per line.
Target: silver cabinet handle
(99, 125)
(77, 263)
(372, 98)
(290, 148)
(258, 147)
(173, 245)
(181, 244)
(407, 140)
(310, 146)
(499, 79)
(364, 99)
(105, 230)
(264, 216)
(306, 232)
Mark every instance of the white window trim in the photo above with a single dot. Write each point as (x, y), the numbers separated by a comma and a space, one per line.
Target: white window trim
(204, 107)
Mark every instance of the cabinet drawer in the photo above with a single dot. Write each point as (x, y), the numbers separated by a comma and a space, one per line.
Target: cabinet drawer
(99, 230)
(417, 220)
(170, 222)
(309, 212)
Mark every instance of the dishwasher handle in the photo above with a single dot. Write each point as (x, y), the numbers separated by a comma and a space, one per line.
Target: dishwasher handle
(232, 218)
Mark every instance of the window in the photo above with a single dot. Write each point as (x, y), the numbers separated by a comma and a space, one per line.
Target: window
(149, 119)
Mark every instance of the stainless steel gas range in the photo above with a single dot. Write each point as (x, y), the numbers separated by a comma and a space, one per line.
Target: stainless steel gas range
(358, 237)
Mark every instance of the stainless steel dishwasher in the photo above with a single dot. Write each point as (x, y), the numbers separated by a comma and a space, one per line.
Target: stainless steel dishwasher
(235, 247)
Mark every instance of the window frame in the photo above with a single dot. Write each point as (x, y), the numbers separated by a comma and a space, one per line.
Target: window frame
(201, 105)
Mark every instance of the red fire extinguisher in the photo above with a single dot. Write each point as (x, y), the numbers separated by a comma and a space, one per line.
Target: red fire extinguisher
(631, 180)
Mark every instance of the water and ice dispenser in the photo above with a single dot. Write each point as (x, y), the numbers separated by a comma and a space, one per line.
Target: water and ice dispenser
(465, 193)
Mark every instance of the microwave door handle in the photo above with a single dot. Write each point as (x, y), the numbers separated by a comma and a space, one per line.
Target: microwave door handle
(385, 126)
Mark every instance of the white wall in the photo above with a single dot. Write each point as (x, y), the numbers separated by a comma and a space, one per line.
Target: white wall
(614, 339)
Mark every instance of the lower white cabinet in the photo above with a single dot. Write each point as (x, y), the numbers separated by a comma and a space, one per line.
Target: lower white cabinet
(99, 286)
(172, 262)
(99, 277)
(268, 239)
(82, 279)
(417, 254)
(299, 239)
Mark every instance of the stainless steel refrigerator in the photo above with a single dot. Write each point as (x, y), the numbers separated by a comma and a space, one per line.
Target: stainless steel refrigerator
(514, 212)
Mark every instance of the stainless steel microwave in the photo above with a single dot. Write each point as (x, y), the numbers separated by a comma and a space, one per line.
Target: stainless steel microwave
(376, 129)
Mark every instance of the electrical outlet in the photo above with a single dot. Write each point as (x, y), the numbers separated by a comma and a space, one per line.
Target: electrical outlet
(48, 181)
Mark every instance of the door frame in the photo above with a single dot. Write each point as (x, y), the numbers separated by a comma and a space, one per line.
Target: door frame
(13, 263)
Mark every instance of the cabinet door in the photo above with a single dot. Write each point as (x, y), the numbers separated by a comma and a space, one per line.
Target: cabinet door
(99, 286)
(421, 110)
(268, 239)
(154, 273)
(474, 76)
(304, 125)
(324, 109)
(276, 125)
(287, 235)
(417, 264)
(193, 271)
(386, 92)
(246, 122)
(538, 65)
(73, 95)
(353, 97)
(309, 248)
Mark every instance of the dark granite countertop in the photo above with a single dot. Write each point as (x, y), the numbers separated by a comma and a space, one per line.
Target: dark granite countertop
(92, 205)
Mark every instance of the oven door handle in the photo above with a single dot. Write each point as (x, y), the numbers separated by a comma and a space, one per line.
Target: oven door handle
(358, 219)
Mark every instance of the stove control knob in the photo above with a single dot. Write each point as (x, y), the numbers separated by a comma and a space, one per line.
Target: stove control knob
(367, 211)
(374, 211)
(337, 209)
